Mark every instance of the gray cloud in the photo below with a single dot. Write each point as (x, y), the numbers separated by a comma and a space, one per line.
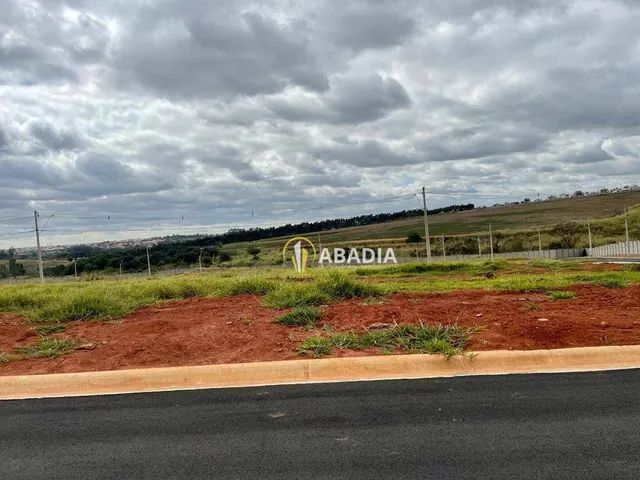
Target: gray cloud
(208, 58)
(176, 107)
(371, 28)
(52, 138)
(350, 100)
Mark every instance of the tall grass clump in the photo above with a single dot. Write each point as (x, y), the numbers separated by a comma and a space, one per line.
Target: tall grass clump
(301, 316)
(327, 288)
(339, 286)
(47, 348)
(291, 295)
(250, 285)
(561, 295)
(437, 339)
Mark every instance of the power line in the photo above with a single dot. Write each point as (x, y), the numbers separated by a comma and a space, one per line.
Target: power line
(16, 233)
(8, 219)
(322, 206)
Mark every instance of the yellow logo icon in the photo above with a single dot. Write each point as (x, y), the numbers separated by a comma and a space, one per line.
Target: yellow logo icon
(300, 255)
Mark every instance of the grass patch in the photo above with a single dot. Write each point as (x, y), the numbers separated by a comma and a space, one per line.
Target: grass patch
(49, 329)
(291, 295)
(435, 268)
(56, 303)
(332, 287)
(437, 339)
(47, 348)
(609, 280)
(4, 358)
(301, 316)
(251, 286)
(562, 295)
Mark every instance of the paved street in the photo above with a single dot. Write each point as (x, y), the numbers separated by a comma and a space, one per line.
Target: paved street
(533, 426)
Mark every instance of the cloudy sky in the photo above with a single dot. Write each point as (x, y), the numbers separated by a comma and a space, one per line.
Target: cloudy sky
(213, 110)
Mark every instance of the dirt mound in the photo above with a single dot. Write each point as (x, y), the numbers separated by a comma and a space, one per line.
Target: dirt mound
(240, 329)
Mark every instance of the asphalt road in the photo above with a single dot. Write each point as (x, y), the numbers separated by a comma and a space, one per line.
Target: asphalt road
(529, 426)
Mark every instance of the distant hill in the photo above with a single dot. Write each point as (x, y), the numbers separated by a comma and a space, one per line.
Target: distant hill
(515, 224)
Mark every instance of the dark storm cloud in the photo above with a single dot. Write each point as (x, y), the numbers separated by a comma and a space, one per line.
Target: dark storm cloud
(221, 108)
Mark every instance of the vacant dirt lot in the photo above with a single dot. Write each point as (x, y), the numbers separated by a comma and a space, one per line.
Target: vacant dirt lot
(240, 329)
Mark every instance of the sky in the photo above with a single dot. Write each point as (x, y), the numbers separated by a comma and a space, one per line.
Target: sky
(123, 119)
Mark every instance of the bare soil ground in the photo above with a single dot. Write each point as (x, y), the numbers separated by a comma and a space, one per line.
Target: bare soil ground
(241, 329)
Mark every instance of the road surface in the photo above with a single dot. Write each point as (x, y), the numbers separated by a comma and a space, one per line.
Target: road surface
(529, 426)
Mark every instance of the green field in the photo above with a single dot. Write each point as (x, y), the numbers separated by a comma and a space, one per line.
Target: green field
(515, 228)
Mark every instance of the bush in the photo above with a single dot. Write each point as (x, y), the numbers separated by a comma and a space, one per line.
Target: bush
(414, 237)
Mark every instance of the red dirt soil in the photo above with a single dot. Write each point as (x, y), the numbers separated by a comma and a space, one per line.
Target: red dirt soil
(239, 329)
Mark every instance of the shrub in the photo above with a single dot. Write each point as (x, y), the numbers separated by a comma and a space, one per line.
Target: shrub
(414, 237)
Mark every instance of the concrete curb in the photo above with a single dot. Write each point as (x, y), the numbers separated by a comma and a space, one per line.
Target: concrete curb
(318, 371)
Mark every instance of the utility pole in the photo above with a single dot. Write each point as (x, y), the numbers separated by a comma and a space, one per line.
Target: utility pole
(590, 239)
(122, 260)
(491, 240)
(426, 224)
(75, 268)
(539, 242)
(148, 262)
(40, 270)
(444, 254)
(200, 260)
(479, 248)
(626, 230)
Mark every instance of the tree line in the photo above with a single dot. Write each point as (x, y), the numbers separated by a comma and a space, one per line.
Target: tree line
(173, 254)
